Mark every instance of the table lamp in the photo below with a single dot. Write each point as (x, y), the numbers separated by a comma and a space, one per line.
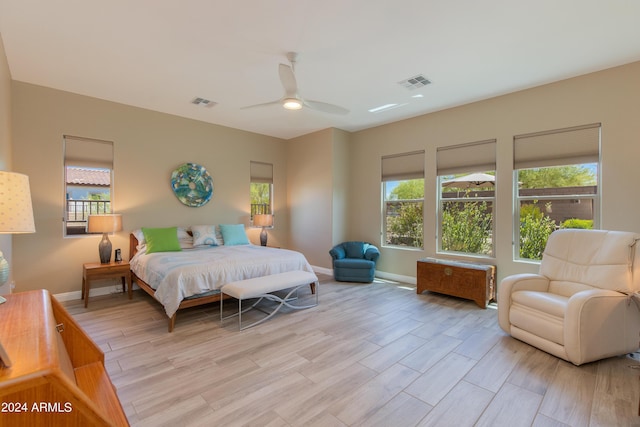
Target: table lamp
(263, 220)
(16, 211)
(104, 224)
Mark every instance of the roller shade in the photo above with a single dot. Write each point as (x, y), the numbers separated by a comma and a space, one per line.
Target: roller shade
(403, 166)
(262, 172)
(88, 152)
(464, 158)
(576, 145)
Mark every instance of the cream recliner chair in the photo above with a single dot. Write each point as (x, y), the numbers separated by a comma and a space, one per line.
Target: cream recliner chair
(578, 307)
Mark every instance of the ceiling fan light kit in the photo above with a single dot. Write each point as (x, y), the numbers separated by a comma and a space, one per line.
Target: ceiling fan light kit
(291, 99)
(291, 104)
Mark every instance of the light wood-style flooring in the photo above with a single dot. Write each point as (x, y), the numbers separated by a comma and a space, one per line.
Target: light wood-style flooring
(369, 355)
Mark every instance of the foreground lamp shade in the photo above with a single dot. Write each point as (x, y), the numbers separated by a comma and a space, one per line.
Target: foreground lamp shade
(104, 224)
(263, 220)
(16, 211)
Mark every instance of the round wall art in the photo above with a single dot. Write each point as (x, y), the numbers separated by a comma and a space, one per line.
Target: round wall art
(192, 184)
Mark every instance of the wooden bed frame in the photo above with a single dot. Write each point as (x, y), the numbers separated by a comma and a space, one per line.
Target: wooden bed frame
(194, 302)
(186, 303)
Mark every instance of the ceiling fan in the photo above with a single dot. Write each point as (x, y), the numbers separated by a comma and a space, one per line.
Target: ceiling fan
(292, 99)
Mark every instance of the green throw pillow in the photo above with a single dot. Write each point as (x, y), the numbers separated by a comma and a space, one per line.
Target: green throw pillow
(234, 234)
(161, 239)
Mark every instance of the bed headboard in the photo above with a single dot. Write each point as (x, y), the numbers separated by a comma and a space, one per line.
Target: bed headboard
(133, 245)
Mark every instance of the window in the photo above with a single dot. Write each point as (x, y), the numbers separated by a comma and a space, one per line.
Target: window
(88, 178)
(556, 185)
(403, 200)
(466, 198)
(261, 188)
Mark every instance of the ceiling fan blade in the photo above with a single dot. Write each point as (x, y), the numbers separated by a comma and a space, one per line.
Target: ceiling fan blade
(323, 106)
(266, 104)
(288, 80)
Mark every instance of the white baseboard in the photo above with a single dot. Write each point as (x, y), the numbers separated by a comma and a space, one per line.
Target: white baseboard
(396, 277)
(116, 289)
(322, 270)
(381, 274)
(95, 292)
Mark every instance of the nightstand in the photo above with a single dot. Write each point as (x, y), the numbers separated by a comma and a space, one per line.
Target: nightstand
(95, 271)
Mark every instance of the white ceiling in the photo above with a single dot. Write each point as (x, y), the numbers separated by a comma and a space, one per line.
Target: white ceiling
(161, 54)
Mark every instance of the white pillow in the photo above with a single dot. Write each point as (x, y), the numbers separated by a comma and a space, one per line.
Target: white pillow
(204, 235)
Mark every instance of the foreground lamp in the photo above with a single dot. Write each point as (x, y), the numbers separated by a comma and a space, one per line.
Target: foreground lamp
(263, 220)
(16, 211)
(104, 224)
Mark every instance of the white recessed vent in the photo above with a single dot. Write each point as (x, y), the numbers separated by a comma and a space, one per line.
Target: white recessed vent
(415, 82)
(203, 102)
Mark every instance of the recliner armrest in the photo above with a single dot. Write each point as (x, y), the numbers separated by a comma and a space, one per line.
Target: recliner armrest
(337, 252)
(608, 318)
(517, 282)
(372, 253)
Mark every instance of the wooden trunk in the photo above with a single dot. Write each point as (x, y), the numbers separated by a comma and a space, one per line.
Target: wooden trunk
(460, 279)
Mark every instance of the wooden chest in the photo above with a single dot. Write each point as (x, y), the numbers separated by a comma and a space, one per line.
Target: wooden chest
(460, 279)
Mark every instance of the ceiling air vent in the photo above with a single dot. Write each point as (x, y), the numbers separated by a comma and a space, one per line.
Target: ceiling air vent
(415, 82)
(203, 102)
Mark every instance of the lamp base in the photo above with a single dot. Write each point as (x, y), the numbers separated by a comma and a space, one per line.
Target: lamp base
(104, 249)
(263, 237)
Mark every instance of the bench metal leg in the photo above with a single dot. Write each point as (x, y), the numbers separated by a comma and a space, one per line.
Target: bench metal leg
(271, 297)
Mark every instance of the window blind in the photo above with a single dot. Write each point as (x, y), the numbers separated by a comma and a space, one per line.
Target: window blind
(88, 152)
(575, 145)
(403, 166)
(261, 172)
(477, 156)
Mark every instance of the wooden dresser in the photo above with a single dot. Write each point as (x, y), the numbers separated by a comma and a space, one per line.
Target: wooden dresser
(460, 279)
(57, 377)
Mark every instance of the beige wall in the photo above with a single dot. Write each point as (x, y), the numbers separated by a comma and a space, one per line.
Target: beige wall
(310, 195)
(148, 146)
(611, 97)
(341, 169)
(5, 146)
(327, 184)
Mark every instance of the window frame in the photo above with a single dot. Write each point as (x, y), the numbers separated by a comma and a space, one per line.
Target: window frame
(87, 153)
(399, 201)
(440, 203)
(260, 173)
(572, 153)
(398, 168)
(466, 158)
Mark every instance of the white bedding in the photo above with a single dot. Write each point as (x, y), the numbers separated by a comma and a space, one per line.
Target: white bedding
(178, 275)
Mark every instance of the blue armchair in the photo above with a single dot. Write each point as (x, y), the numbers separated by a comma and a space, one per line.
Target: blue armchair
(354, 261)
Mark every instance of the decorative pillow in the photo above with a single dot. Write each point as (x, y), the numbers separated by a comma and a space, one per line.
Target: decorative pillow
(140, 236)
(185, 239)
(161, 239)
(219, 236)
(204, 235)
(234, 234)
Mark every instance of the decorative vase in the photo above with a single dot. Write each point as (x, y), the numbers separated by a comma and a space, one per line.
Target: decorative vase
(4, 270)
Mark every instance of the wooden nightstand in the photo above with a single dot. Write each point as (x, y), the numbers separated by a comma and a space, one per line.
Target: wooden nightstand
(95, 270)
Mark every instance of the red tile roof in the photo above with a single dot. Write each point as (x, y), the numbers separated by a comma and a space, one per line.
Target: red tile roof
(87, 176)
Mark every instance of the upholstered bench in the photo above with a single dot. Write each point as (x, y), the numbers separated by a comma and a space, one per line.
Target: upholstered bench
(263, 288)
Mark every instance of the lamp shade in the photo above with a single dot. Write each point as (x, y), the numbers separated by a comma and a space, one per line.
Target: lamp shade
(262, 220)
(16, 210)
(104, 223)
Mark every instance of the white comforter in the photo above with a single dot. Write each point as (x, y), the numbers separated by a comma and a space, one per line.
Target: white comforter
(178, 275)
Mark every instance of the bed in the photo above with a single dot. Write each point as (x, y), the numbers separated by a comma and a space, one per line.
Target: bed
(193, 277)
